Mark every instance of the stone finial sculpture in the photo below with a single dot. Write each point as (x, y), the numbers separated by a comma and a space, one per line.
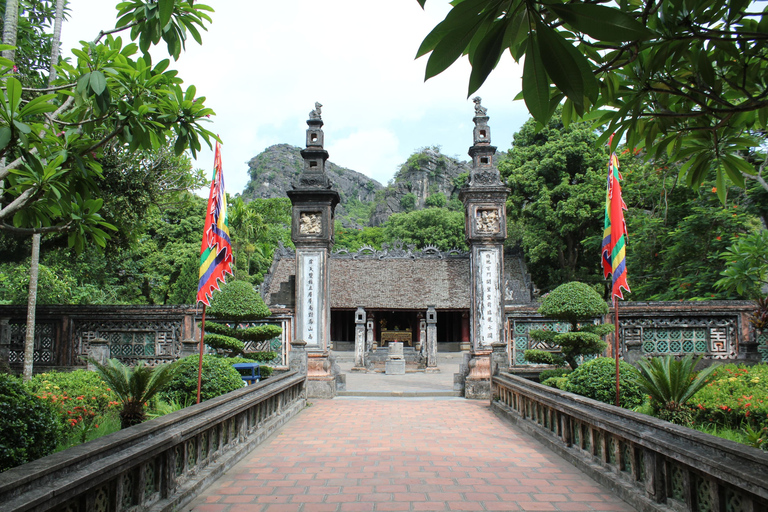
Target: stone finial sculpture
(480, 111)
(315, 114)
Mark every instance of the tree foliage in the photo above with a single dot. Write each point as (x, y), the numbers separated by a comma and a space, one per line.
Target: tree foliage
(434, 226)
(51, 139)
(556, 176)
(686, 80)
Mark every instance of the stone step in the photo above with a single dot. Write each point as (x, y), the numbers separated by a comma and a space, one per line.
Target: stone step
(405, 394)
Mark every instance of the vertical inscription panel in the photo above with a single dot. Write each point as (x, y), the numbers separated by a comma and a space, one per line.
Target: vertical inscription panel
(488, 298)
(310, 297)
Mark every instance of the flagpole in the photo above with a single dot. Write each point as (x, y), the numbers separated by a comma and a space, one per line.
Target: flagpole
(200, 362)
(616, 345)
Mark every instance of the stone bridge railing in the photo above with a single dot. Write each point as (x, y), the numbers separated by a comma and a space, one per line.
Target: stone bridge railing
(650, 463)
(161, 464)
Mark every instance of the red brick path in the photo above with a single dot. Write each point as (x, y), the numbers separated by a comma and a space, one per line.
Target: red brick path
(402, 454)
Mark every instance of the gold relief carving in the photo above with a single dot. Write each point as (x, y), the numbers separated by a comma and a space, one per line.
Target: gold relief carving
(310, 224)
(487, 221)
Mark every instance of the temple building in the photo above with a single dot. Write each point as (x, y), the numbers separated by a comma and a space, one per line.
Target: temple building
(427, 299)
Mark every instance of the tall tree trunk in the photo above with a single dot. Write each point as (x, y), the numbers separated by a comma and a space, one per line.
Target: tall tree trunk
(56, 43)
(34, 264)
(10, 27)
(29, 340)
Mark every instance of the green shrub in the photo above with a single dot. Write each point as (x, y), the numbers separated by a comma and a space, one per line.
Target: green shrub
(219, 377)
(67, 390)
(237, 300)
(29, 427)
(556, 382)
(596, 379)
(555, 372)
(736, 395)
(260, 357)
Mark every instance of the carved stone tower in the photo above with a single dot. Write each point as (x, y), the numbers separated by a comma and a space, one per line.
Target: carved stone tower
(484, 199)
(312, 233)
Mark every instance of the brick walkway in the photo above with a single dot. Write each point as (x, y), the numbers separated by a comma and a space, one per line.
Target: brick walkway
(376, 455)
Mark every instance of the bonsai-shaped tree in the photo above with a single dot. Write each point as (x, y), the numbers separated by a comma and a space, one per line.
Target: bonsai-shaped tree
(572, 302)
(237, 301)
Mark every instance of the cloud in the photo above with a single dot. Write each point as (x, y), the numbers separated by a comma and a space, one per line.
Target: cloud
(262, 66)
(372, 152)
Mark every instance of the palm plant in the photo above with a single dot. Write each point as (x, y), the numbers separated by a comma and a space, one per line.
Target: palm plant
(134, 387)
(670, 383)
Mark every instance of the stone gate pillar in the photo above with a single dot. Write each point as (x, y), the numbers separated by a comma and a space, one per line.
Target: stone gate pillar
(484, 199)
(360, 345)
(314, 203)
(370, 342)
(432, 340)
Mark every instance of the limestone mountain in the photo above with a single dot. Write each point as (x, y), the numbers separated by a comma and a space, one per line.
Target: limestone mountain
(426, 178)
(274, 170)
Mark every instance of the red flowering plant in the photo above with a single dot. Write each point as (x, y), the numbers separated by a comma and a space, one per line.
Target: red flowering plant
(735, 397)
(81, 397)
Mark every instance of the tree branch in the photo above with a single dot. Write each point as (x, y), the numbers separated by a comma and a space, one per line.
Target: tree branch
(31, 231)
(18, 203)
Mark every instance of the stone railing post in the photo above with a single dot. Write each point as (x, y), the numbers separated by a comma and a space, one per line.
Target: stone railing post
(499, 358)
(189, 347)
(298, 356)
(98, 351)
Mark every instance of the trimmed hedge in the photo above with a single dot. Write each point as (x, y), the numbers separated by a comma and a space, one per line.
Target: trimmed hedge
(596, 379)
(219, 377)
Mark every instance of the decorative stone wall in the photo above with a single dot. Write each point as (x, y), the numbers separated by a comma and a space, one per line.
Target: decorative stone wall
(150, 334)
(714, 330)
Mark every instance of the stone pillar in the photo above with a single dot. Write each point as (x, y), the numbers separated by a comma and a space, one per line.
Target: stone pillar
(484, 199)
(99, 352)
(189, 347)
(314, 203)
(465, 344)
(360, 352)
(422, 335)
(370, 342)
(432, 340)
(5, 343)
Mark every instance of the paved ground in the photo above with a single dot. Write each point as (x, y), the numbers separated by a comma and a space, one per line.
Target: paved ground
(402, 454)
(425, 384)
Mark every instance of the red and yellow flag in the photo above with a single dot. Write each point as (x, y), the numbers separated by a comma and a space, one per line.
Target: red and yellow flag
(615, 232)
(216, 250)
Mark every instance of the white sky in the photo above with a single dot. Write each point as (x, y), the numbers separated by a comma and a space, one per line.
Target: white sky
(263, 65)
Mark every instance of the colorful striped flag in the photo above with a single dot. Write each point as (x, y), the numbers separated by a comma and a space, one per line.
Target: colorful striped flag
(615, 232)
(216, 251)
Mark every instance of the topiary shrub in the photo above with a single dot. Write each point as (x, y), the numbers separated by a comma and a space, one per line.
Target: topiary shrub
(29, 427)
(555, 372)
(574, 303)
(556, 382)
(596, 379)
(218, 378)
(235, 302)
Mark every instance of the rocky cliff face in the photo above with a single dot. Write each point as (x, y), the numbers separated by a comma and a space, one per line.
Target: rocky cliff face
(424, 174)
(274, 170)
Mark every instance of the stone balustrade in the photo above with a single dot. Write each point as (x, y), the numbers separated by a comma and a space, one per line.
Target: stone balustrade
(652, 464)
(161, 464)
